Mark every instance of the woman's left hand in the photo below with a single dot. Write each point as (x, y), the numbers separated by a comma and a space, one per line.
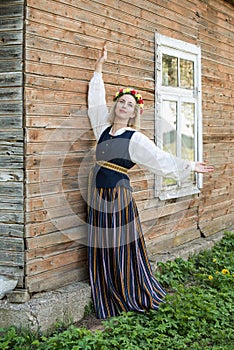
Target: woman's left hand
(201, 167)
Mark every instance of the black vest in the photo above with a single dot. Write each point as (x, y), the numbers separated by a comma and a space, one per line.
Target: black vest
(113, 149)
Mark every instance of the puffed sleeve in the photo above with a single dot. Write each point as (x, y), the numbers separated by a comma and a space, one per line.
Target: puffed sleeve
(144, 152)
(97, 109)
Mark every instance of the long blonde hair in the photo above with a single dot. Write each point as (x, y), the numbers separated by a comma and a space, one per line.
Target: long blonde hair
(133, 122)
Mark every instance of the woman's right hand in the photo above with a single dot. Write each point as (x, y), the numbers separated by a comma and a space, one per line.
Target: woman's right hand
(101, 59)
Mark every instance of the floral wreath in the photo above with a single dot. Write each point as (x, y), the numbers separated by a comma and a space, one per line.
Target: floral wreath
(132, 92)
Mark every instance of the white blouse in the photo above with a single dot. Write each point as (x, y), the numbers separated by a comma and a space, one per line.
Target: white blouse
(142, 150)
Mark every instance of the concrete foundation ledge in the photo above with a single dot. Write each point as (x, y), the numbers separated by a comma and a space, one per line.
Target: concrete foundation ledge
(43, 310)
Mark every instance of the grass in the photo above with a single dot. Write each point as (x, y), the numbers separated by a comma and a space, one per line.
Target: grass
(197, 315)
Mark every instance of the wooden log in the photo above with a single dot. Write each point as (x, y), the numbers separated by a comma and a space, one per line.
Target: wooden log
(53, 279)
(11, 108)
(47, 263)
(52, 122)
(14, 259)
(11, 189)
(10, 203)
(13, 52)
(11, 161)
(10, 93)
(69, 226)
(51, 201)
(163, 226)
(50, 175)
(52, 161)
(166, 209)
(10, 135)
(11, 79)
(15, 9)
(186, 235)
(209, 227)
(11, 37)
(59, 187)
(11, 244)
(9, 64)
(7, 122)
(11, 24)
(9, 216)
(12, 230)
(11, 148)
(161, 243)
(49, 96)
(168, 241)
(216, 210)
(80, 145)
(38, 252)
(52, 213)
(49, 136)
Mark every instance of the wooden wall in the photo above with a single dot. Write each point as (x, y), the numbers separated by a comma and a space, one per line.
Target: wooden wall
(216, 209)
(62, 41)
(11, 140)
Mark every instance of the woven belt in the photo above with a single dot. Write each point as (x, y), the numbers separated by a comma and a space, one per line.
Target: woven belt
(112, 166)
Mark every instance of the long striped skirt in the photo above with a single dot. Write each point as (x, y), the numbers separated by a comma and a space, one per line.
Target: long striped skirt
(120, 274)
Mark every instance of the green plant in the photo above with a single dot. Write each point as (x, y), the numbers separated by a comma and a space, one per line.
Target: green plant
(89, 309)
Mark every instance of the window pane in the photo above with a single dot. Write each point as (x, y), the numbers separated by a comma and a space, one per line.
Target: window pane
(169, 70)
(186, 74)
(187, 131)
(169, 126)
(169, 132)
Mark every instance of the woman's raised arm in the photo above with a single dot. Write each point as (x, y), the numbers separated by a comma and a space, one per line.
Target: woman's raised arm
(97, 109)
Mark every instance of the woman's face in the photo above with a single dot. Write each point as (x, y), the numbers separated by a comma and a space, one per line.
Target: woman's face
(125, 107)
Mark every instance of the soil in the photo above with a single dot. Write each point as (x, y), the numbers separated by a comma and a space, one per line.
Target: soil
(90, 322)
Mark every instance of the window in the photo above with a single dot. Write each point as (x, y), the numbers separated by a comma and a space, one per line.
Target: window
(178, 114)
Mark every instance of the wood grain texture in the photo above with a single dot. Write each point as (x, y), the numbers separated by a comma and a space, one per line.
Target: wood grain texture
(11, 141)
(46, 141)
(63, 39)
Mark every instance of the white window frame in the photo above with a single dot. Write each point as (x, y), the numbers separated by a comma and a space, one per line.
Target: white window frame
(178, 48)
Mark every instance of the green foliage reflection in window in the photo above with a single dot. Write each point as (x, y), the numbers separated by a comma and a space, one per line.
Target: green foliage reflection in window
(169, 132)
(186, 74)
(187, 132)
(177, 72)
(170, 76)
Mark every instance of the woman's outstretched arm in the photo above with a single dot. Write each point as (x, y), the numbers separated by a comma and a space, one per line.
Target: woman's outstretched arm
(97, 109)
(144, 151)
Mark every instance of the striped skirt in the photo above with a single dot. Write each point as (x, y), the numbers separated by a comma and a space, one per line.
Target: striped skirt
(120, 274)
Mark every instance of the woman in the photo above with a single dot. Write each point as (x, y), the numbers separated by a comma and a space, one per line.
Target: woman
(120, 274)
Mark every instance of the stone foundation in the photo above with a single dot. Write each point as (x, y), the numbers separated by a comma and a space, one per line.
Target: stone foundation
(43, 310)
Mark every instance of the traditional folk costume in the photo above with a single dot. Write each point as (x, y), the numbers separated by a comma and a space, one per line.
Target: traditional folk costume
(120, 274)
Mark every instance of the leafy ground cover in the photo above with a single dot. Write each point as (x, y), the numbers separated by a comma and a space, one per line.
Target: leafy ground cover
(197, 313)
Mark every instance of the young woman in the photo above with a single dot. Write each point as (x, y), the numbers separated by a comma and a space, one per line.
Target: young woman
(120, 274)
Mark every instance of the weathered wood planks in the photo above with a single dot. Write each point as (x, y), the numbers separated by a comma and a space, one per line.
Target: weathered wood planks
(11, 141)
(45, 157)
(62, 42)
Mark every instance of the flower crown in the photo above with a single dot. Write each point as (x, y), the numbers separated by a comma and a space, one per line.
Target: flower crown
(132, 92)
